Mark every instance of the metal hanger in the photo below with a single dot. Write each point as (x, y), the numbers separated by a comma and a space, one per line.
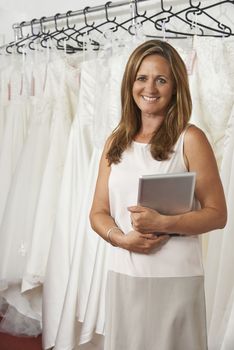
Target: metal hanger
(165, 19)
(220, 30)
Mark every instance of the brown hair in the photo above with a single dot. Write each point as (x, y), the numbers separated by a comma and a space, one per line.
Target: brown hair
(178, 113)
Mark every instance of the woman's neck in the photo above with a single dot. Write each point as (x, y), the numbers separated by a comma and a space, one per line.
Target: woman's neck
(148, 128)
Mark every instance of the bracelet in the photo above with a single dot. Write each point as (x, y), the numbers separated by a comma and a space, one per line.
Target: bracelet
(108, 234)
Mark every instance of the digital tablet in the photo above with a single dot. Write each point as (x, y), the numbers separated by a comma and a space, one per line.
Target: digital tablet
(169, 194)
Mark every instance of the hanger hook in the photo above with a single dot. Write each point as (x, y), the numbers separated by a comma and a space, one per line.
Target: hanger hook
(68, 14)
(41, 23)
(163, 8)
(85, 10)
(18, 32)
(107, 5)
(56, 16)
(136, 13)
(192, 5)
(31, 24)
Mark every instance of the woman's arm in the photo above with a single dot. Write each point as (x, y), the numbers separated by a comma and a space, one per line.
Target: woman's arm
(100, 218)
(102, 222)
(199, 158)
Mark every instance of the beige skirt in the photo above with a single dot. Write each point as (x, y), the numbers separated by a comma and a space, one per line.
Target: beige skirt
(159, 313)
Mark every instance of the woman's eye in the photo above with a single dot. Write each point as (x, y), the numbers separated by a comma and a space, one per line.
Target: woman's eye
(141, 78)
(161, 81)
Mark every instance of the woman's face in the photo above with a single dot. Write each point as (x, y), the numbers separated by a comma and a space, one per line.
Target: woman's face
(154, 86)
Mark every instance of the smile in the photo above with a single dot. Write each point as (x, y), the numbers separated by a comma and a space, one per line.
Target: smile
(150, 99)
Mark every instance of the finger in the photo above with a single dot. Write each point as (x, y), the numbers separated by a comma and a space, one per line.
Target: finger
(151, 236)
(154, 236)
(135, 209)
(163, 238)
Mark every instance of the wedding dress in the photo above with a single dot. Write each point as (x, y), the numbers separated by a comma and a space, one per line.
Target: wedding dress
(63, 114)
(70, 201)
(220, 285)
(18, 218)
(84, 282)
(212, 87)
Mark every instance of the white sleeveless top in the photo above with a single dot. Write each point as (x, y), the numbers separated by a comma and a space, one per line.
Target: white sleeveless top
(180, 256)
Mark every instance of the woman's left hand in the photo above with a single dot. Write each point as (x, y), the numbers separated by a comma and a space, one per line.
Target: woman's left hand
(145, 219)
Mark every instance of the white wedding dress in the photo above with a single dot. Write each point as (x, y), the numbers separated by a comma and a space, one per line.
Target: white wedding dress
(23, 315)
(220, 258)
(70, 201)
(63, 114)
(212, 85)
(84, 284)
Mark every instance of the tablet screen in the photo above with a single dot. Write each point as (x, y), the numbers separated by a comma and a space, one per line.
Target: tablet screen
(169, 194)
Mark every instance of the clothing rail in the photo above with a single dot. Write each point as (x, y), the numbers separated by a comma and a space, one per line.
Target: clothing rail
(88, 9)
(157, 21)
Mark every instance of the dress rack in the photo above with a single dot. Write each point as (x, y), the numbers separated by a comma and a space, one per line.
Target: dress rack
(69, 31)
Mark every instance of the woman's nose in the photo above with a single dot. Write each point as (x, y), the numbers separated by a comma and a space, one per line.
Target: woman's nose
(151, 86)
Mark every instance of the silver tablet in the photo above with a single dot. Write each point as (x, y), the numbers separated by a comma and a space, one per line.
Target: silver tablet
(169, 194)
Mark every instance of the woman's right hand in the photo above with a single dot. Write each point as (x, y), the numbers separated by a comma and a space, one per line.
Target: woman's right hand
(137, 242)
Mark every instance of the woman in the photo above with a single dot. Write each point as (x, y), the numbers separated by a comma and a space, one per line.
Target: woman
(154, 294)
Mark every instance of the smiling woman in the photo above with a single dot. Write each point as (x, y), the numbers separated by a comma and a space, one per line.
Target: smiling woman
(165, 63)
(158, 278)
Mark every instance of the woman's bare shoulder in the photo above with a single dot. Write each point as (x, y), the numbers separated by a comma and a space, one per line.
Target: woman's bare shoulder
(194, 131)
(198, 150)
(195, 138)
